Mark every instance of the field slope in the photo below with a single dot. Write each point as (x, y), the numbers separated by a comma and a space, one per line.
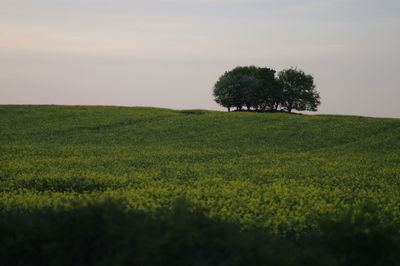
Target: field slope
(120, 186)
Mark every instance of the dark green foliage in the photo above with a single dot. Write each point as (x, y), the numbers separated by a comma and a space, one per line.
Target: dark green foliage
(193, 112)
(357, 237)
(105, 233)
(269, 91)
(148, 186)
(250, 86)
(258, 89)
(298, 90)
(231, 89)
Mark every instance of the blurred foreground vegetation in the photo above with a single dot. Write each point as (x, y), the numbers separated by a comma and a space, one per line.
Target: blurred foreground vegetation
(147, 186)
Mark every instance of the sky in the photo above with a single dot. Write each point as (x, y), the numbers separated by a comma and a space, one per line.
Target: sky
(170, 53)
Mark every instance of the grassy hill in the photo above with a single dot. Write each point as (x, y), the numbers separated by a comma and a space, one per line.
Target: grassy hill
(147, 186)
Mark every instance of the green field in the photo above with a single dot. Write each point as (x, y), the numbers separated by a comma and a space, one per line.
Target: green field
(148, 186)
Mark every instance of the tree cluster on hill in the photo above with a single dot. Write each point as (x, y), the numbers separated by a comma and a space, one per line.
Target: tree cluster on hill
(260, 89)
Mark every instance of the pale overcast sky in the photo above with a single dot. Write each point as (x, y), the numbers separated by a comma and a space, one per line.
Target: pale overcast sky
(169, 53)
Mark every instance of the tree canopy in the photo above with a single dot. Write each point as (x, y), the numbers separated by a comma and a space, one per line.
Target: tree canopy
(260, 89)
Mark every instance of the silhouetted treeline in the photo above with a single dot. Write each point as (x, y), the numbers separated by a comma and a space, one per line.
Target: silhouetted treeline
(260, 89)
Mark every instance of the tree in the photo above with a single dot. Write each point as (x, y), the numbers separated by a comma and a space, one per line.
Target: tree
(246, 82)
(227, 91)
(258, 88)
(298, 90)
(221, 93)
(268, 91)
(248, 86)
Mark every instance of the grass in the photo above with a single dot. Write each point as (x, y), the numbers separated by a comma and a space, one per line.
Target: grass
(323, 189)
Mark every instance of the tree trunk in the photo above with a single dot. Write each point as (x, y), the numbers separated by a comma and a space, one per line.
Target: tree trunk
(229, 109)
(290, 106)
